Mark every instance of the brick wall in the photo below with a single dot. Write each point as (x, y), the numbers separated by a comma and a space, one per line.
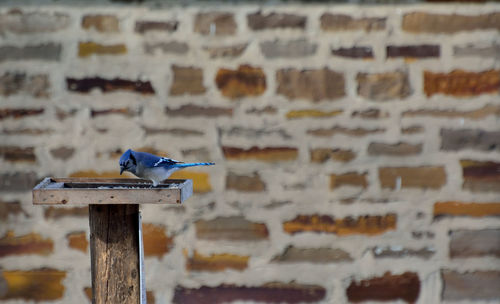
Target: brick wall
(357, 148)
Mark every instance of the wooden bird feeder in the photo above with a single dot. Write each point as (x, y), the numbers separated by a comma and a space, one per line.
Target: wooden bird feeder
(116, 247)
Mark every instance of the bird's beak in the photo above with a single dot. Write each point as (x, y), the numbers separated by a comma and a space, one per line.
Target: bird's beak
(121, 170)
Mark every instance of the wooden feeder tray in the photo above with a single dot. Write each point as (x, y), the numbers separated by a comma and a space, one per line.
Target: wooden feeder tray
(106, 191)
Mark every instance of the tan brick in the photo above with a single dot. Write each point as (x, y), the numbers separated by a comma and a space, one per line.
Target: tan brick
(36, 85)
(461, 83)
(235, 228)
(187, 80)
(18, 181)
(32, 243)
(401, 252)
(469, 139)
(288, 49)
(294, 254)
(389, 287)
(191, 110)
(312, 113)
(86, 49)
(383, 86)
(354, 179)
(370, 113)
(368, 224)
(62, 152)
(328, 132)
(156, 241)
(33, 285)
(442, 209)
(312, 85)
(230, 51)
(223, 24)
(245, 183)
(412, 177)
(474, 243)
(420, 22)
(258, 21)
(78, 240)
(56, 213)
(339, 22)
(480, 175)
(472, 286)
(246, 81)
(413, 129)
(398, 149)
(321, 155)
(268, 293)
(8, 208)
(215, 262)
(44, 51)
(168, 47)
(19, 22)
(480, 113)
(101, 23)
(267, 154)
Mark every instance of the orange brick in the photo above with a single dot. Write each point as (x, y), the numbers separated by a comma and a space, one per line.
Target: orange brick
(466, 209)
(33, 285)
(78, 241)
(461, 83)
(413, 177)
(156, 241)
(215, 262)
(311, 113)
(201, 180)
(32, 243)
(348, 179)
(243, 82)
(369, 224)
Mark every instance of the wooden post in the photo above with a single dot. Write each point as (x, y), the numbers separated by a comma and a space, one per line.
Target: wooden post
(114, 250)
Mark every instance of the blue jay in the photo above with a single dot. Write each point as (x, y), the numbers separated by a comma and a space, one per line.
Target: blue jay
(152, 167)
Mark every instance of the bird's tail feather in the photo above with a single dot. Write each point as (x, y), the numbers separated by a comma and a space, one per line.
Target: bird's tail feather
(193, 164)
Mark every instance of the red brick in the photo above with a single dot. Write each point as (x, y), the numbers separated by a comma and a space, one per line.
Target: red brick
(235, 228)
(144, 26)
(222, 23)
(33, 285)
(368, 224)
(18, 154)
(86, 85)
(413, 51)
(355, 52)
(268, 154)
(246, 81)
(389, 287)
(461, 83)
(267, 293)
(339, 22)
(19, 113)
(480, 175)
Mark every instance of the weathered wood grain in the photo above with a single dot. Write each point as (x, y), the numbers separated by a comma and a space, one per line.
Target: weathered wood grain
(114, 250)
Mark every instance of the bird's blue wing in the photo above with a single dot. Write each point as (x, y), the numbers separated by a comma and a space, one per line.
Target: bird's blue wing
(165, 161)
(150, 160)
